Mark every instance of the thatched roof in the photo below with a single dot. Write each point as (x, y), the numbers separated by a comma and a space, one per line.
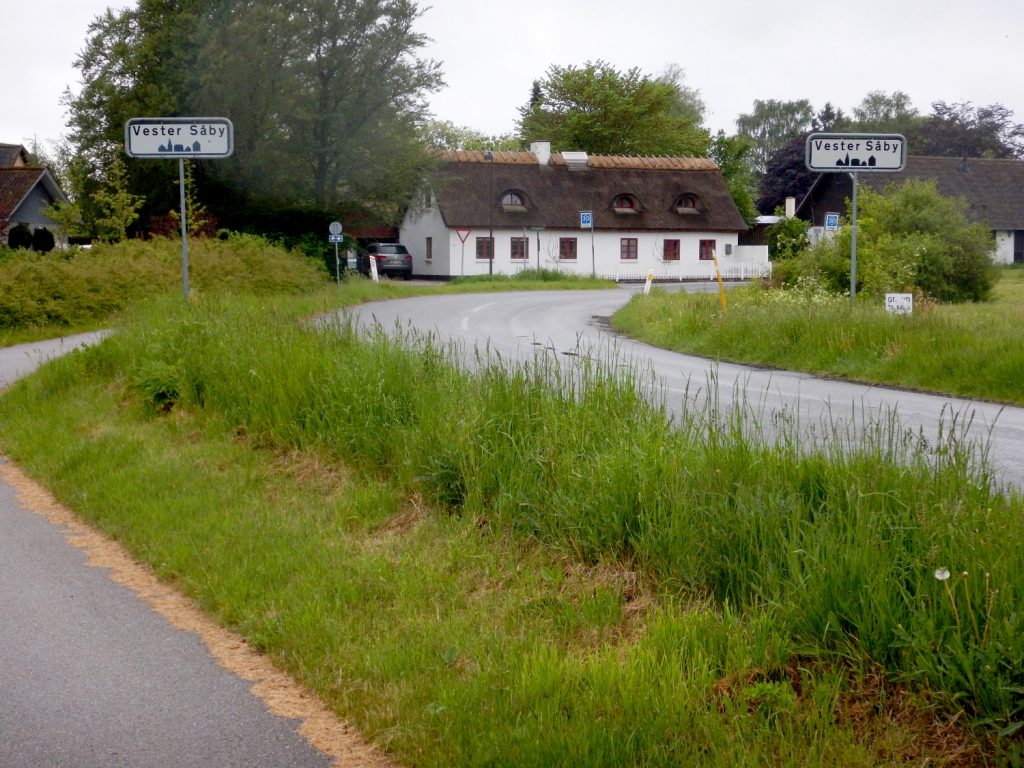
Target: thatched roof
(469, 189)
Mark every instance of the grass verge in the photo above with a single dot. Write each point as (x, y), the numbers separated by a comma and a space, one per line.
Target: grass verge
(967, 350)
(527, 567)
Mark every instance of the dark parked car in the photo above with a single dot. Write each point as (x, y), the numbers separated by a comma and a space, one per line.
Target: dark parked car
(392, 260)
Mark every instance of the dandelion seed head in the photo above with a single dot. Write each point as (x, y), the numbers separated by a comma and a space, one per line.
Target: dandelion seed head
(942, 574)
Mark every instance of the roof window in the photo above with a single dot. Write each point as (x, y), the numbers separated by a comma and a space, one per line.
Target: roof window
(625, 204)
(513, 201)
(687, 203)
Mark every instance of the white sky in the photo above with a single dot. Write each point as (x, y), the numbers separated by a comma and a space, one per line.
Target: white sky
(733, 51)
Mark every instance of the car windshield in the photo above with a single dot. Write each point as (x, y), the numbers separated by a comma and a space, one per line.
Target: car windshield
(390, 249)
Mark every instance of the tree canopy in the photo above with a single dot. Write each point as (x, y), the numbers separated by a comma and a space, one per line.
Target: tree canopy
(326, 97)
(598, 109)
(770, 125)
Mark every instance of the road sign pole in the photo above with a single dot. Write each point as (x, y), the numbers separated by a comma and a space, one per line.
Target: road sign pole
(853, 241)
(184, 228)
(337, 265)
(593, 253)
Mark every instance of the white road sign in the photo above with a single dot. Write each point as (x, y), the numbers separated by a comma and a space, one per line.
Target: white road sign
(899, 303)
(856, 152)
(174, 137)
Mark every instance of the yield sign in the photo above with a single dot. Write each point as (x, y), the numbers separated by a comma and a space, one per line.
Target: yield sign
(463, 233)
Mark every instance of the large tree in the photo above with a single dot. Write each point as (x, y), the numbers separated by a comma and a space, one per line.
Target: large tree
(963, 130)
(598, 109)
(881, 112)
(770, 125)
(785, 175)
(135, 63)
(325, 95)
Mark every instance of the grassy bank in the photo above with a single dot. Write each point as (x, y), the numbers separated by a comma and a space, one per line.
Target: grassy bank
(528, 567)
(969, 350)
(56, 294)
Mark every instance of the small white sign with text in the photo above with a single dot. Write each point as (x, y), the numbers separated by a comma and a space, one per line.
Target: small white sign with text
(899, 303)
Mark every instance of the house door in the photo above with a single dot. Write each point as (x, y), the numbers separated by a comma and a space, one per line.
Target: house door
(1018, 247)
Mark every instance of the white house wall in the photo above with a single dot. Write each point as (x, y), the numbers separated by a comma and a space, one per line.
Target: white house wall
(1004, 247)
(738, 262)
(413, 234)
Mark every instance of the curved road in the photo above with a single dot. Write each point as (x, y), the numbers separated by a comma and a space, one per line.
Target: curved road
(568, 323)
(91, 676)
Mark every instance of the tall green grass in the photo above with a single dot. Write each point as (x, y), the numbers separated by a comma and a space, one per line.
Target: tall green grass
(971, 351)
(841, 546)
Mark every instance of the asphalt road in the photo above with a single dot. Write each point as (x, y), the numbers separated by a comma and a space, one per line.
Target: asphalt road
(570, 323)
(92, 677)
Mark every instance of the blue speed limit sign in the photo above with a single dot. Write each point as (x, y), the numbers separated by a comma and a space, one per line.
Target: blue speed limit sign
(586, 219)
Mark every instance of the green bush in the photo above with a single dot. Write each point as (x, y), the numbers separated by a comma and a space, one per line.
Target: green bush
(910, 239)
(85, 285)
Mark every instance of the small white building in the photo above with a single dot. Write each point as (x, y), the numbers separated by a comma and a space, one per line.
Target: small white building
(503, 212)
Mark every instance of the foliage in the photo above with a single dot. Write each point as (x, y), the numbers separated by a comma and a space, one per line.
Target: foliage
(324, 98)
(457, 639)
(909, 238)
(881, 112)
(829, 119)
(577, 459)
(770, 125)
(963, 130)
(596, 108)
(135, 62)
(92, 284)
(115, 206)
(732, 154)
(787, 238)
(786, 175)
(444, 134)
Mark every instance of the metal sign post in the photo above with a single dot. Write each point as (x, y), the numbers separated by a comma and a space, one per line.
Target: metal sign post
(165, 138)
(855, 153)
(463, 233)
(587, 222)
(335, 237)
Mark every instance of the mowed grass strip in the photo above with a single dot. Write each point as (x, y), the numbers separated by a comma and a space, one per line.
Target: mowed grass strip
(968, 350)
(528, 567)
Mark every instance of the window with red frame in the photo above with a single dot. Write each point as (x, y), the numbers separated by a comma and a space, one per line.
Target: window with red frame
(707, 250)
(670, 251)
(485, 248)
(520, 248)
(567, 247)
(628, 249)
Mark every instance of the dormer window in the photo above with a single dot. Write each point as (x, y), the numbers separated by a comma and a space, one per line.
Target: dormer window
(687, 203)
(625, 204)
(513, 201)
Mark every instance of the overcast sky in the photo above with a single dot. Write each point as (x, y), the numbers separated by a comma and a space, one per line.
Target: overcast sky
(732, 51)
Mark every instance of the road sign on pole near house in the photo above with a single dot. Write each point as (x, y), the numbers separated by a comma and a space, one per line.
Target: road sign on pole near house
(831, 222)
(180, 138)
(586, 220)
(855, 153)
(174, 137)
